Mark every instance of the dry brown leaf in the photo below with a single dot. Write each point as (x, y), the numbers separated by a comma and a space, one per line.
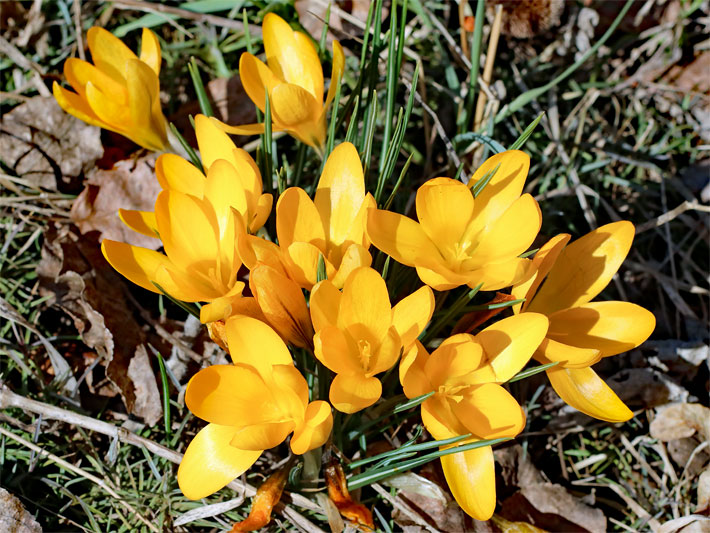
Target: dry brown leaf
(130, 184)
(703, 492)
(356, 513)
(14, 518)
(79, 281)
(527, 18)
(48, 147)
(266, 497)
(681, 420)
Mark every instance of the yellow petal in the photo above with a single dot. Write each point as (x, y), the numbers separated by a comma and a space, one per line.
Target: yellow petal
(109, 53)
(610, 327)
(315, 429)
(225, 306)
(411, 371)
(387, 354)
(439, 420)
(542, 263)
(412, 314)
(336, 73)
(283, 305)
(297, 219)
(503, 188)
(301, 259)
(254, 343)
(184, 286)
(174, 172)
(148, 127)
(496, 276)
(355, 256)
(455, 358)
(109, 111)
(510, 343)
(79, 73)
(444, 209)
(137, 264)
(291, 390)
(340, 192)
(402, 238)
(76, 106)
(566, 356)
(261, 213)
(584, 390)
(210, 462)
(365, 311)
(213, 142)
(224, 191)
(471, 478)
(150, 50)
(262, 436)
(141, 221)
(245, 129)
(292, 106)
(584, 268)
(292, 56)
(489, 411)
(257, 79)
(337, 351)
(253, 250)
(350, 393)
(325, 304)
(443, 279)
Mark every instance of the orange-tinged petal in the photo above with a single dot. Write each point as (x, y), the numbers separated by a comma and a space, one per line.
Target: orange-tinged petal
(137, 264)
(175, 173)
(301, 259)
(512, 233)
(297, 219)
(325, 304)
(336, 351)
(584, 390)
(489, 411)
(292, 106)
(566, 356)
(496, 276)
(355, 256)
(444, 209)
(412, 375)
(509, 343)
(210, 462)
(584, 268)
(402, 238)
(365, 310)
(336, 73)
(150, 50)
(254, 343)
(109, 53)
(542, 263)
(292, 56)
(76, 106)
(141, 221)
(257, 79)
(262, 436)
(315, 429)
(412, 314)
(610, 327)
(340, 192)
(471, 478)
(350, 393)
(503, 188)
(283, 305)
(229, 395)
(79, 73)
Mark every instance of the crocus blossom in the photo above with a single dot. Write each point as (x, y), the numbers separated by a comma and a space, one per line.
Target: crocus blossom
(462, 240)
(120, 91)
(332, 226)
(293, 80)
(251, 405)
(465, 373)
(581, 331)
(359, 334)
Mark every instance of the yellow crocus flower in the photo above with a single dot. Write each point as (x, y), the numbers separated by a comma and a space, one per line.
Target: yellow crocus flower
(359, 334)
(120, 91)
(465, 373)
(581, 331)
(331, 226)
(251, 406)
(460, 240)
(293, 80)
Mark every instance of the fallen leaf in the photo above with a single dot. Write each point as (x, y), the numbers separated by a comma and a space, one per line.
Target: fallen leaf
(75, 276)
(130, 184)
(266, 497)
(358, 515)
(148, 399)
(48, 147)
(646, 388)
(526, 18)
(681, 420)
(703, 492)
(514, 527)
(14, 518)
(693, 523)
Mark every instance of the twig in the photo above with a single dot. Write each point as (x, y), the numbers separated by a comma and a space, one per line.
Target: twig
(20, 60)
(83, 473)
(76, 8)
(670, 215)
(488, 68)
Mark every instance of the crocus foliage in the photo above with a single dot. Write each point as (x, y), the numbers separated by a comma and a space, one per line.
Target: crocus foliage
(462, 240)
(359, 334)
(567, 277)
(251, 405)
(465, 373)
(120, 91)
(293, 79)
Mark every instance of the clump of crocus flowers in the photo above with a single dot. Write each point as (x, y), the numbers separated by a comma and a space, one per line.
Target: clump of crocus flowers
(303, 292)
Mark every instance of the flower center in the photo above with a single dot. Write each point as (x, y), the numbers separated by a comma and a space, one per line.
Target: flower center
(364, 350)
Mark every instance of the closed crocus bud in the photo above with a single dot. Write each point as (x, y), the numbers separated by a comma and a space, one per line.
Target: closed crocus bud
(120, 91)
